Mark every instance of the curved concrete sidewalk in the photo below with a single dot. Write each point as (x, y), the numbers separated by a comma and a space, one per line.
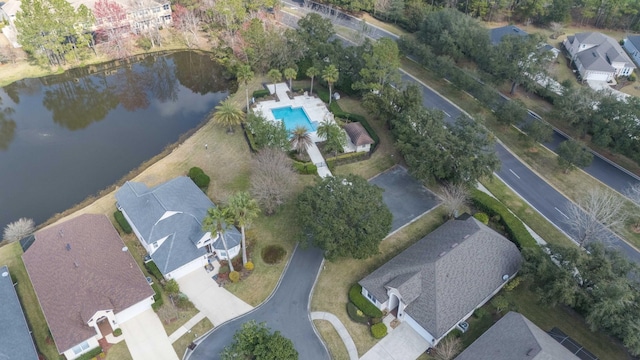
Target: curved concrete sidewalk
(342, 331)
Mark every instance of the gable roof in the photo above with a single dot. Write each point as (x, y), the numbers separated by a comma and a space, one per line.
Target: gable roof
(514, 337)
(173, 210)
(78, 268)
(446, 274)
(604, 52)
(496, 34)
(15, 338)
(358, 134)
(635, 40)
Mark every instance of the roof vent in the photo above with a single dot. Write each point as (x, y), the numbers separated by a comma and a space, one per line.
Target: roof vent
(125, 249)
(466, 236)
(75, 264)
(442, 254)
(61, 232)
(5, 274)
(529, 352)
(454, 245)
(68, 247)
(505, 277)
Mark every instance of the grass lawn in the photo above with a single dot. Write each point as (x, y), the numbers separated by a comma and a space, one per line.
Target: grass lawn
(331, 291)
(331, 338)
(119, 351)
(10, 255)
(180, 345)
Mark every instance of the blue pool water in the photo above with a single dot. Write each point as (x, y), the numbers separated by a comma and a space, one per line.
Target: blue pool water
(293, 117)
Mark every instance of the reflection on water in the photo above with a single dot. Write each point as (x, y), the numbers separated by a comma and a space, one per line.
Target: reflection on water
(68, 136)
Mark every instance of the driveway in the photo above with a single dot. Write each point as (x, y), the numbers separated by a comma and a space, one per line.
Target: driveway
(287, 311)
(218, 304)
(402, 343)
(146, 338)
(405, 196)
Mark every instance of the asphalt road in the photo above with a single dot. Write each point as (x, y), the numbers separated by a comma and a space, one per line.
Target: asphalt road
(286, 311)
(533, 189)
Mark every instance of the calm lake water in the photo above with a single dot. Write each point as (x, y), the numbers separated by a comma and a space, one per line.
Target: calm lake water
(65, 137)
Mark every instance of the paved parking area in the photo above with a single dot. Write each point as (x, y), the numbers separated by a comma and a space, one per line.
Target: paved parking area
(405, 196)
(218, 304)
(146, 338)
(402, 343)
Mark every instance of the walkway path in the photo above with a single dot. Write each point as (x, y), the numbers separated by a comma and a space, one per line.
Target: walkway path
(186, 327)
(342, 331)
(318, 160)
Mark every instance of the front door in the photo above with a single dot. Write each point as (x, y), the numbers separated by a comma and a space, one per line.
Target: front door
(105, 326)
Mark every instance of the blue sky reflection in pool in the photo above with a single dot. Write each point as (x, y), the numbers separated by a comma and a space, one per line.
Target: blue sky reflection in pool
(293, 117)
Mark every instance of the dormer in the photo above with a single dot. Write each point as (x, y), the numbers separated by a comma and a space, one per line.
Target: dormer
(206, 240)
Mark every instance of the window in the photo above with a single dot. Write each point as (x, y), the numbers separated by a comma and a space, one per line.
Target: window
(371, 297)
(80, 348)
(165, 6)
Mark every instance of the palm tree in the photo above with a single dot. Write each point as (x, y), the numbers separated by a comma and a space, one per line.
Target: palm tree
(274, 75)
(244, 210)
(245, 75)
(312, 73)
(330, 74)
(335, 139)
(291, 74)
(216, 220)
(300, 139)
(228, 114)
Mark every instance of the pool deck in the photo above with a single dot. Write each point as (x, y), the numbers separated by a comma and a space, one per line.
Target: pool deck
(315, 109)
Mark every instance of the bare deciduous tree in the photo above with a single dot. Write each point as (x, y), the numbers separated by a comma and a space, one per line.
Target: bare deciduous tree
(454, 197)
(633, 193)
(187, 24)
(273, 179)
(593, 215)
(448, 348)
(19, 229)
(112, 28)
(557, 29)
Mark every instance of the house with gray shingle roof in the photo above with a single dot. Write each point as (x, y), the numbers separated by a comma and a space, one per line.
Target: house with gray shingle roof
(86, 281)
(632, 45)
(497, 34)
(167, 219)
(598, 56)
(514, 337)
(440, 280)
(15, 338)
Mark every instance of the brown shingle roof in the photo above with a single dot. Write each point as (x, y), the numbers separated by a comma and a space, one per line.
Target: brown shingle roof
(358, 134)
(78, 268)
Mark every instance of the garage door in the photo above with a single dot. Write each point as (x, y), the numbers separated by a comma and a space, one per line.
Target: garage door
(597, 76)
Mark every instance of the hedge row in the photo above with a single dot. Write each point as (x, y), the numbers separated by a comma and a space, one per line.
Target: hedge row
(157, 297)
(122, 221)
(250, 138)
(305, 168)
(352, 310)
(91, 354)
(152, 268)
(345, 159)
(362, 303)
(261, 93)
(379, 330)
(513, 226)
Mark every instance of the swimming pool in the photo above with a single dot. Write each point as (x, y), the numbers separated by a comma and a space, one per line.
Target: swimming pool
(293, 117)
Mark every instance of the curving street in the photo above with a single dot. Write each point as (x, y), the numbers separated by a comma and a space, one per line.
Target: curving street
(287, 310)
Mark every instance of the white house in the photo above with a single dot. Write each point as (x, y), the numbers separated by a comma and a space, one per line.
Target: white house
(442, 279)
(86, 281)
(598, 56)
(167, 219)
(358, 139)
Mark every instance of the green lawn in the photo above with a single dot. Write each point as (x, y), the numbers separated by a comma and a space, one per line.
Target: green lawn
(119, 351)
(11, 255)
(199, 329)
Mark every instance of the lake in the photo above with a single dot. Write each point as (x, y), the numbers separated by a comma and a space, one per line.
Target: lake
(68, 136)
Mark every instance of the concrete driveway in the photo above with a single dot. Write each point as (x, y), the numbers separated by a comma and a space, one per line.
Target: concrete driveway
(218, 304)
(146, 338)
(402, 343)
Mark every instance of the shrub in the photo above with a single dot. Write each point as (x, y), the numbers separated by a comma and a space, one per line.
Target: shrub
(273, 254)
(182, 301)
(379, 330)
(157, 297)
(19, 229)
(117, 332)
(224, 269)
(199, 178)
(456, 333)
(91, 354)
(152, 268)
(482, 217)
(513, 226)
(144, 43)
(122, 221)
(172, 287)
(362, 303)
(234, 276)
(322, 93)
(356, 314)
(512, 284)
(480, 313)
(260, 93)
(305, 168)
(375, 320)
(632, 77)
(249, 266)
